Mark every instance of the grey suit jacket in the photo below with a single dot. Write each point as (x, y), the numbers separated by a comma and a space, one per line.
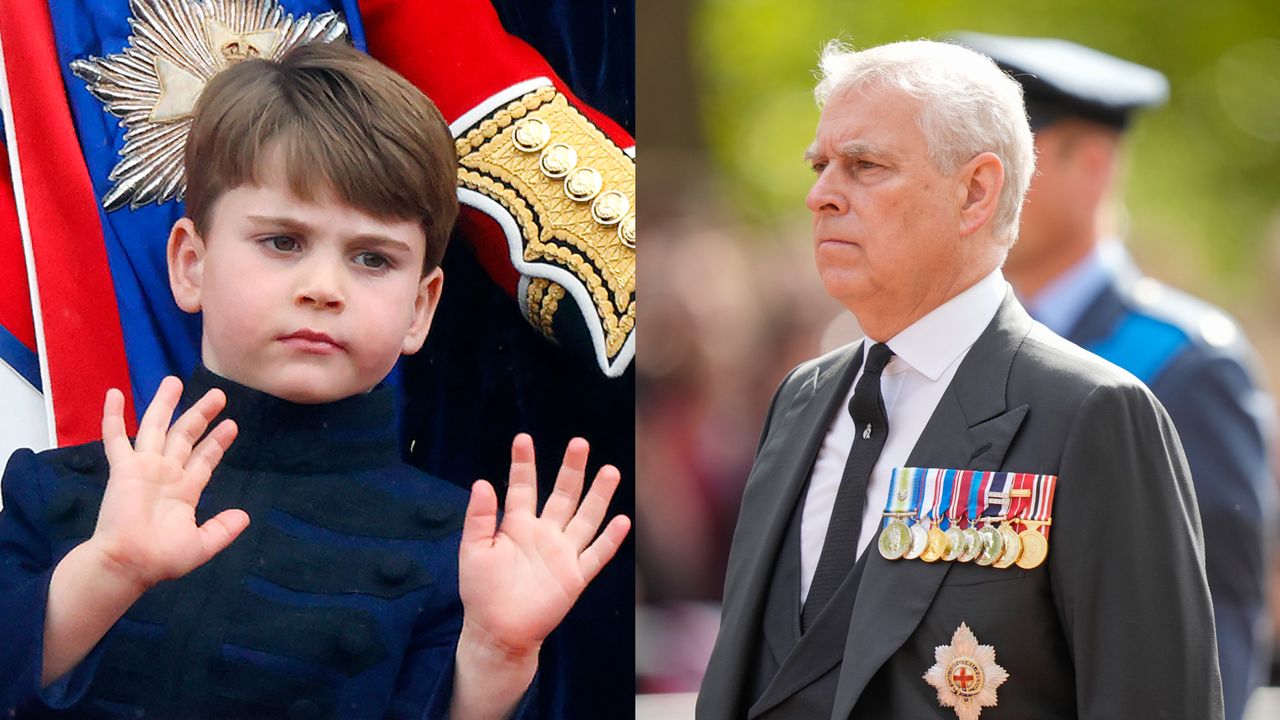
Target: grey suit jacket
(1115, 624)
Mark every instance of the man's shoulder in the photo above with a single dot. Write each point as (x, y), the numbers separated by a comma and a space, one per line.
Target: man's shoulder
(1050, 366)
(1160, 328)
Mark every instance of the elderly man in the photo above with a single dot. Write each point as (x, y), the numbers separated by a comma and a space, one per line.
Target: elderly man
(844, 596)
(1076, 278)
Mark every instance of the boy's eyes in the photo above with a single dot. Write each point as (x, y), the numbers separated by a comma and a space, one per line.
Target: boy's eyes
(283, 243)
(365, 259)
(372, 260)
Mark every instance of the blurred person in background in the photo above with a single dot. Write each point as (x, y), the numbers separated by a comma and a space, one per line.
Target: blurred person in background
(1072, 274)
(922, 158)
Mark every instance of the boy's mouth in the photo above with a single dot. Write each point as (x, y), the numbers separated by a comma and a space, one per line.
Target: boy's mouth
(312, 341)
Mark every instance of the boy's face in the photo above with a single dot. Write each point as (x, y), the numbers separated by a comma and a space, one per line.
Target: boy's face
(308, 301)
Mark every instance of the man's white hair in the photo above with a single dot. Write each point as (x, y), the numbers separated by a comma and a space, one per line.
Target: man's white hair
(969, 106)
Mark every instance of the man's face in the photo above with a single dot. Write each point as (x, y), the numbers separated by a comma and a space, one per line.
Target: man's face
(885, 220)
(308, 301)
(1075, 162)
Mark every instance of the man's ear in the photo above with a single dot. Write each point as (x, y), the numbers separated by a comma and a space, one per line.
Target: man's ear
(185, 254)
(424, 308)
(981, 180)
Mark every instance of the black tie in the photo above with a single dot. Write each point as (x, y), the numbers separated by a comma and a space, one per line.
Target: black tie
(839, 549)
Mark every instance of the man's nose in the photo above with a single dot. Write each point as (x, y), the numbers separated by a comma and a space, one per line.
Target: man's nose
(320, 287)
(825, 195)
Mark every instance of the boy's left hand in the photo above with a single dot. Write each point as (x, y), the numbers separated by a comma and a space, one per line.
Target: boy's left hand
(519, 580)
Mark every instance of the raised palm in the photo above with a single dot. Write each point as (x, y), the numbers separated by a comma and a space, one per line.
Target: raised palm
(147, 526)
(518, 581)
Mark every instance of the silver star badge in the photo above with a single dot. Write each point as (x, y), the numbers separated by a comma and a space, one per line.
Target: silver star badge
(176, 47)
(965, 674)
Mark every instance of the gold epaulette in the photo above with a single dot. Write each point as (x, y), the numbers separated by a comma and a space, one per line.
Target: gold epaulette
(571, 191)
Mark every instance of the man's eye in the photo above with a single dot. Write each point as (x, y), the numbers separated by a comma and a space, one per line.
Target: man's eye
(373, 260)
(866, 165)
(282, 243)
(818, 167)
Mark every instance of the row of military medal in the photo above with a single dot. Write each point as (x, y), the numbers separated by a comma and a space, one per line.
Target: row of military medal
(995, 519)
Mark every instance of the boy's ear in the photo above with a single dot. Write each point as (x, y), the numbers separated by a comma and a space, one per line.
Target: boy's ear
(185, 253)
(424, 308)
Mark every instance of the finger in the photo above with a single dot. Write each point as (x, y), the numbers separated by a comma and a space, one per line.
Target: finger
(522, 488)
(600, 552)
(192, 424)
(206, 456)
(155, 421)
(481, 520)
(115, 439)
(220, 531)
(568, 490)
(587, 521)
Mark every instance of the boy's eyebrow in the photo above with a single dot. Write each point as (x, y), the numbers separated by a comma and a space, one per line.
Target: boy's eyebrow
(300, 226)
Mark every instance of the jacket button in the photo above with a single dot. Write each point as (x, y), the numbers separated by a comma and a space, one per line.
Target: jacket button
(62, 504)
(354, 640)
(304, 710)
(431, 516)
(82, 461)
(395, 570)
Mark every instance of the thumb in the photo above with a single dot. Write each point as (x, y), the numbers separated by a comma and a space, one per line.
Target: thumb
(220, 531)
(481, 521)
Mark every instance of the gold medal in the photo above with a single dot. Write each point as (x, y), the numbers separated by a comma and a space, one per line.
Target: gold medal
(992, 546)
(937, 546)
(1035, 547)
(895, 540)
(972, 545)
(1012, 547)
(919, 541)
(955, 544)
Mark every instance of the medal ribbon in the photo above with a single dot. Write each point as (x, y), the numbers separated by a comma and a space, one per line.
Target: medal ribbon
(942, 489)
(904, 492)
(1005, 481)
(930, 480)
(978, 495)
(959, 496)
(1042, 498)
(1019, 506)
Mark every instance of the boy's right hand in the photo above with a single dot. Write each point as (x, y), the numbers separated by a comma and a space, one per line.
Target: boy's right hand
(146, 529)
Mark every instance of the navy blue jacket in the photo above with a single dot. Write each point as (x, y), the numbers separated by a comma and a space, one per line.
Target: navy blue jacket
(339, 600)
(1199, 365)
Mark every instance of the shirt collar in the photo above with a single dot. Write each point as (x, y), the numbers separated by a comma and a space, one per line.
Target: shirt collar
(932, 343)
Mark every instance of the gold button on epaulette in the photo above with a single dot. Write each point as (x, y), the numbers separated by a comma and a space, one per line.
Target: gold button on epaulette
(610, 207)
(531, 134)
(583, 184)
(557, 160)
(627, 231)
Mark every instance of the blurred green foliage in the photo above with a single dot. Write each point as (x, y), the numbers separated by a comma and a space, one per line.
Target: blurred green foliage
(1204, 179)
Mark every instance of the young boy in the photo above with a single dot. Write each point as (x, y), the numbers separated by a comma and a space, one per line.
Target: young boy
(301, 570)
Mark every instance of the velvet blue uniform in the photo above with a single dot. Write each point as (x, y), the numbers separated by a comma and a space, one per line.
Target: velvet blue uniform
(340, 600)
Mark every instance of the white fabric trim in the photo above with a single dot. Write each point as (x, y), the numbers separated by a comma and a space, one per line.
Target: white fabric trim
(24, 226)
(570, 282)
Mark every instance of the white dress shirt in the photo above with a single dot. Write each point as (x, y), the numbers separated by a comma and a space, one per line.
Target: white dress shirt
(926, 355)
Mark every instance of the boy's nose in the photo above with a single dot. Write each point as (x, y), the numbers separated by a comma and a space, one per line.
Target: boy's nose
(320, 290)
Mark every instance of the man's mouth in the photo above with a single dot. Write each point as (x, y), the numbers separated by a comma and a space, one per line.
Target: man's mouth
(311, 341)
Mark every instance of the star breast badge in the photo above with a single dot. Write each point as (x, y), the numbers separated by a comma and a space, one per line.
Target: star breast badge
(966, 674)
(153, 83)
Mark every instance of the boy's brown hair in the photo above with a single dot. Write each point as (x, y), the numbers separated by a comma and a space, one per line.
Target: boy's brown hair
(341, 120)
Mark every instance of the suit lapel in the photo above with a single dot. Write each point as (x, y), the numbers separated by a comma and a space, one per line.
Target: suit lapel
(972, 429)
(779, 473)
